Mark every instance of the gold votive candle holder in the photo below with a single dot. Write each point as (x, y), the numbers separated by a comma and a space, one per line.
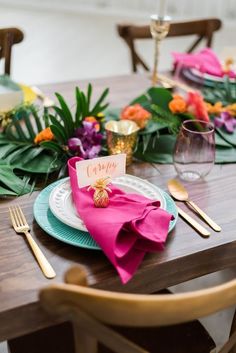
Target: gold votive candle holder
(122, 137)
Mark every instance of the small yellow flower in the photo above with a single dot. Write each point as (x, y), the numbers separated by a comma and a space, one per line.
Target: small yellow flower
(215, 109)
(231, 109)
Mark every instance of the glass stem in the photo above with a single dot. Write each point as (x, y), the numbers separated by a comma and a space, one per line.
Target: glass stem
(156, 61)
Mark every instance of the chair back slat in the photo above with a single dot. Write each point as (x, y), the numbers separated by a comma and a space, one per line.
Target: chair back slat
(203, 29)
(91, 310)
(142, 310)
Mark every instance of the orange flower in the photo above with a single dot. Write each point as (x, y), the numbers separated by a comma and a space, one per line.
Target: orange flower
(216, 108)
(92, 119)
(231, 109)
(178, 105)
(44, 135)
(136, 113)
(197, 107)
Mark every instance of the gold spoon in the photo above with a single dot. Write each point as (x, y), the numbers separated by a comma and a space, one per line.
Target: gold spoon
(178, 191)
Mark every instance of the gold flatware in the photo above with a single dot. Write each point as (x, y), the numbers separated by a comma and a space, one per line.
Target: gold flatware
(198, 227)
(178, 191)
(20, 225)
(47, 102)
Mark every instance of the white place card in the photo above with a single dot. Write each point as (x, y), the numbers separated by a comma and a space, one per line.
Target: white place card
(90, 170)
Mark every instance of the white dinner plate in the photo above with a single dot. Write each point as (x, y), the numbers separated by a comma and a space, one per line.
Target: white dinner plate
(209, 77)
(62, 206)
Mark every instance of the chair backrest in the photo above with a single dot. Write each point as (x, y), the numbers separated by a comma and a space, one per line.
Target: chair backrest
(9, 37)
(203, 29)
(92, 308)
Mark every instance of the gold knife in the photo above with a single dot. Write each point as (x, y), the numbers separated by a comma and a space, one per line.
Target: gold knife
(198, 227)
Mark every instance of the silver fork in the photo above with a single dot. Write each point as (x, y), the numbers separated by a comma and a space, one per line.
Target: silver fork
(20, 225)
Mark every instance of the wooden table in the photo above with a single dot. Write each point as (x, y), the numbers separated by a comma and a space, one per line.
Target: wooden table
(186, 255)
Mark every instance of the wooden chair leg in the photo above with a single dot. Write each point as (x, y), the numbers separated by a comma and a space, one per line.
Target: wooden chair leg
(232, 330)
(84, 343)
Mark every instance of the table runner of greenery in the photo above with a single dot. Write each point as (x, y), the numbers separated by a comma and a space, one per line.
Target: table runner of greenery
(34, 144)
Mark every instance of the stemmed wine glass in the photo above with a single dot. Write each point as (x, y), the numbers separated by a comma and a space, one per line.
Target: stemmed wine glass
(159, 28)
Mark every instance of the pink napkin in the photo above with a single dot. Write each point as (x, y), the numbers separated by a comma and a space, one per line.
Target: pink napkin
(128, 228)
(205, 61)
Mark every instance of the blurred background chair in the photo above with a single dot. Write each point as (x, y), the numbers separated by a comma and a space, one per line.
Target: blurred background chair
(133, 323)
(9, 37)
(203, 29)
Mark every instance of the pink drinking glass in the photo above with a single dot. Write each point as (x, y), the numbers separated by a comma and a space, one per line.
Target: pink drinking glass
(194, 152)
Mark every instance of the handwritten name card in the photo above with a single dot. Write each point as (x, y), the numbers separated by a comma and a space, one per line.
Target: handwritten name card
(90, 170)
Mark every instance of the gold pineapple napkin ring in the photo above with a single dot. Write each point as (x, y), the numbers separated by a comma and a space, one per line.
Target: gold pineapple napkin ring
(100, 196)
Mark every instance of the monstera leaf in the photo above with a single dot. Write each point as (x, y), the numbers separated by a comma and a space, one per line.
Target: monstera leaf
(23, 162)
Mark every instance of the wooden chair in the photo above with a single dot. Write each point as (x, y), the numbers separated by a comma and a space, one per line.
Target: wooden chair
(203, 29)
(115, 318)
(9, 37)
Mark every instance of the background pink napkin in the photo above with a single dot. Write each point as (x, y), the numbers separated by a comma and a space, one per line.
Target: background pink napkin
(128, 228)
(205, 61)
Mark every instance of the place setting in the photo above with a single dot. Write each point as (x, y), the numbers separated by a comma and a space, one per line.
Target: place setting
(130, 200)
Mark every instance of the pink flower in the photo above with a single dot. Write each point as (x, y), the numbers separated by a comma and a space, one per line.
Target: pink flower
(227, 121)
(197, 107)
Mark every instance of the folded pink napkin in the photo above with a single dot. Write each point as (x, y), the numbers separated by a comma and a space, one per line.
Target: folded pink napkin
(129, 227)
(205, 61)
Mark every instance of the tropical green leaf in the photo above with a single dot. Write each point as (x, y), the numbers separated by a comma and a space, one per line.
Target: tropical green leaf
(159, 151)
(100, 109)
(36, 119)
(224, 92)
(7, 149)
(97, 107)
(42, 163)
(11, 181)
(21, 134)
(143, 99)
(78, 113)
(63, 132)
(230, 138)
(110, 114)
(160, 97)
(17, 154)
(58, 134)
(89, 94)
(165, 117)
(6, 192)
(29, 127)
(84, 108)
(66, 112)
(51, 145)
(219, 141)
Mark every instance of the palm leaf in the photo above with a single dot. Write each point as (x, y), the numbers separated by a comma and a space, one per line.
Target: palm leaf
(89, 94)
(52, 146)
(97, 109)
(60, 136)
(66, 112)
(78, 113)
(63, 133)
(165, 117)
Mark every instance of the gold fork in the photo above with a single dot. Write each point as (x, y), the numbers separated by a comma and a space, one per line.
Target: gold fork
(20, 225)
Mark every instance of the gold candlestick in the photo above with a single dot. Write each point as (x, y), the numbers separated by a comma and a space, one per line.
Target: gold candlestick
(159, 28)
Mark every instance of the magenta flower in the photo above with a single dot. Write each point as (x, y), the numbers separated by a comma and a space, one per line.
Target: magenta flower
(227, 121)
(86, 142)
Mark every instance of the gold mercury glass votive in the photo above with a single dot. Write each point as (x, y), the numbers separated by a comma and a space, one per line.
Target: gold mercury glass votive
(122, 137)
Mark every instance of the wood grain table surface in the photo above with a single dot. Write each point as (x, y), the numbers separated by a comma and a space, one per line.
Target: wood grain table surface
(186, 254)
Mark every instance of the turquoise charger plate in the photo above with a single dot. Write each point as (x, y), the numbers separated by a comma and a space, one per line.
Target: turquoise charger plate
(51, 225)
